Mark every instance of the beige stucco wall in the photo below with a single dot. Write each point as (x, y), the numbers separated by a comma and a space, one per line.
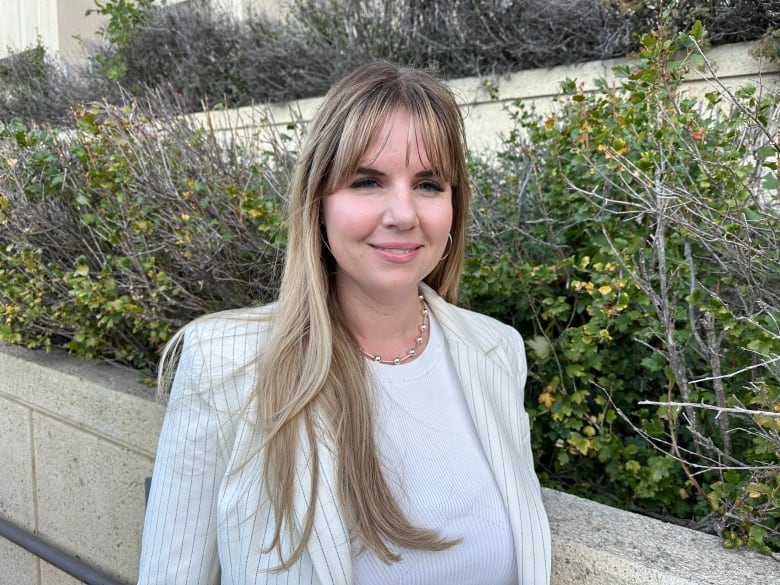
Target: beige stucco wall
(73, 24)
(60, 24)
(487, 120)
(77, 439)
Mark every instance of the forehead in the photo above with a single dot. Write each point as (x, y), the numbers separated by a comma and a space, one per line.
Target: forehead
(397, 139)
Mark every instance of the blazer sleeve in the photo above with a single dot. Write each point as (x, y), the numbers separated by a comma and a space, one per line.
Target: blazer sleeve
(536, 555)
(180, 527)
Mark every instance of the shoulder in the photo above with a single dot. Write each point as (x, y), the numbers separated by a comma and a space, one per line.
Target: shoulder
(479, 334)
(216, 352)
(485, 324)
(229, 334)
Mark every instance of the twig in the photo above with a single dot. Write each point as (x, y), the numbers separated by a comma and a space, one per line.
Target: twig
(732, 374)
(726, 409)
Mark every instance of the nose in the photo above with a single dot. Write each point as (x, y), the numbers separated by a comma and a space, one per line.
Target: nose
(401, 211)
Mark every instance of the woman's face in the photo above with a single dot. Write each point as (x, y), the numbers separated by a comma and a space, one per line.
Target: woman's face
(387, 225)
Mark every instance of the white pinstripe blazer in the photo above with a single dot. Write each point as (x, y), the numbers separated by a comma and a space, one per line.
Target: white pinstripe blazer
(207, 519)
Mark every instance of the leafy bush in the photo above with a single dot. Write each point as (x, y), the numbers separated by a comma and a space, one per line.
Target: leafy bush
(203, 55)
(126, 20)
(727, 21)
(115, 234)
(633, 236)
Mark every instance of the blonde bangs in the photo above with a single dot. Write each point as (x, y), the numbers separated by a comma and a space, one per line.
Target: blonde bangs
(437, 136)
(363, 128)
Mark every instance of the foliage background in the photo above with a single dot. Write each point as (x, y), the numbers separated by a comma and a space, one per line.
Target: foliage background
(631, 237)
(199, 55)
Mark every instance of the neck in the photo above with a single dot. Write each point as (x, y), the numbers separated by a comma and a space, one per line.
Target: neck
(388, 328)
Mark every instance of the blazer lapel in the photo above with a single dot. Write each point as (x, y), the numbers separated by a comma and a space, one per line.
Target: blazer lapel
(494, 395)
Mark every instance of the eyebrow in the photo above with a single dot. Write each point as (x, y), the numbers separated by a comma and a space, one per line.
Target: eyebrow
(424, 174)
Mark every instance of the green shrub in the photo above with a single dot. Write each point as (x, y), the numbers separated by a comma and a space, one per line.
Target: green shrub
(126, 19)
(632, 235)
(115, 234)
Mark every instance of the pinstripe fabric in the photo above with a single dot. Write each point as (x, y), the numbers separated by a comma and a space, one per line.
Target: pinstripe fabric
(206, 507)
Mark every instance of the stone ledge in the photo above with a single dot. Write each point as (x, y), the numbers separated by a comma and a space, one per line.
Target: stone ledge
(106, 400)
(599, 545)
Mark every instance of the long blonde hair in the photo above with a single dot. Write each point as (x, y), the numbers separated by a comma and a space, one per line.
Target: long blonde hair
(312, 382)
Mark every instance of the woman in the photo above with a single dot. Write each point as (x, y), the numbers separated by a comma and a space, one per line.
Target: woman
(362, 429)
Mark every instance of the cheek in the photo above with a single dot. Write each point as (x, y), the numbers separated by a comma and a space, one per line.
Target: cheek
(344, 220)
(441, 222)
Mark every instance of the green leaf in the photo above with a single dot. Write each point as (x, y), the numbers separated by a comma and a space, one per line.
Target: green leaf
(540, 346)
(766, 151)
(697, 30)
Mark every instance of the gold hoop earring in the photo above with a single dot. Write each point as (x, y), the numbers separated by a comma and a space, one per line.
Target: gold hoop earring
(325, 240)
(449, 239)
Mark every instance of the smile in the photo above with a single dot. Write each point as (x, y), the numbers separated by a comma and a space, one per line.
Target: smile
(395, 252)
(392, 250)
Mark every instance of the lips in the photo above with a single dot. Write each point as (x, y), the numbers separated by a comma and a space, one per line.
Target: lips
(396, 252)
(392, 249)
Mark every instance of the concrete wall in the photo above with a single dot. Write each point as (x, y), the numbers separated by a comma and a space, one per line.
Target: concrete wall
(77, 439)
(486, 120)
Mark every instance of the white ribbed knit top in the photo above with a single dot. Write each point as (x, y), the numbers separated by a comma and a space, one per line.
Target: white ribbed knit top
(433, 459)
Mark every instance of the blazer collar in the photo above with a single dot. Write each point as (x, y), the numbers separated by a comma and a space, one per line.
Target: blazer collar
(455, 328)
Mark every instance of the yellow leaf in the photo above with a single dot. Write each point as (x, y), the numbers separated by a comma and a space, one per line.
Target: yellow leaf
(547, 399)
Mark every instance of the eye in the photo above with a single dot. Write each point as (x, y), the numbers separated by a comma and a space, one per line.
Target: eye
(429, 185)
(363, 183)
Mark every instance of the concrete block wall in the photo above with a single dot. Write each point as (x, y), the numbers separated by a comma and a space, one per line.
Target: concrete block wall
(487, 120)
(77, 440)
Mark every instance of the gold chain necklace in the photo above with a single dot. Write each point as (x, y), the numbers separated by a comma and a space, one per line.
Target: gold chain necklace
(412, 351)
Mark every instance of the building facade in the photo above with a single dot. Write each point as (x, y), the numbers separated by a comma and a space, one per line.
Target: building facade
(63, 25)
